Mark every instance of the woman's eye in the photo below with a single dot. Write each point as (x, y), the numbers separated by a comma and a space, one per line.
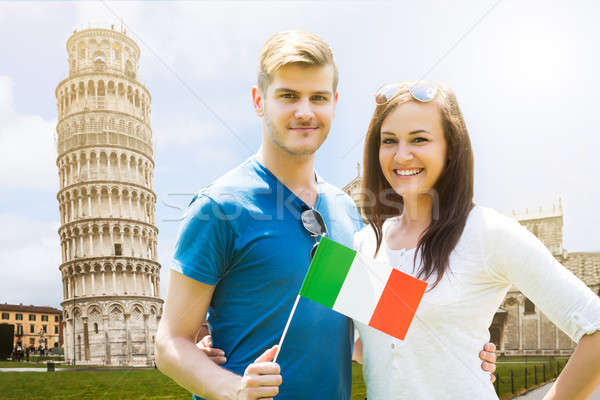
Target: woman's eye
(420, 140)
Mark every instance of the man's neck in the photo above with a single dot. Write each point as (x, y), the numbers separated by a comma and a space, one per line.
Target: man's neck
(295, 172)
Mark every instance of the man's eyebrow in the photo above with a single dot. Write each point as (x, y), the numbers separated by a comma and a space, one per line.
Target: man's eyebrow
(286, 90)
(327, 92)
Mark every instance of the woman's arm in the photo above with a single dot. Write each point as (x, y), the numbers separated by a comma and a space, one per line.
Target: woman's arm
(517, 257)
(357, 354)
(581, 375)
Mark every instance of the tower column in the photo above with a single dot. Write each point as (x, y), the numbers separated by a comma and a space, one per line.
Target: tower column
(130, 210)
(110, 208)
(91, 235)
(135, 290)
(114, 280)
(103, 270)
(132, 242)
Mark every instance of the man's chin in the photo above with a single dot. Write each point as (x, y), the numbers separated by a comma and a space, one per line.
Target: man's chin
(302, 150)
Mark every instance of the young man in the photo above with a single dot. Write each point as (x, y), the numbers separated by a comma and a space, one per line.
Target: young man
(242, 250)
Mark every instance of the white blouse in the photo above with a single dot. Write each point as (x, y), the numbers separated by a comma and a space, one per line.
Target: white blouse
(439, 358)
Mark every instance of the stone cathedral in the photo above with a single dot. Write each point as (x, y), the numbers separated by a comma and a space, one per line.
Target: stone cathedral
(518, 327)
(110, 273)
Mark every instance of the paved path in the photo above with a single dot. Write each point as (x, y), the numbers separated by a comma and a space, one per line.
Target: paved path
(43, 369)
(538, 394)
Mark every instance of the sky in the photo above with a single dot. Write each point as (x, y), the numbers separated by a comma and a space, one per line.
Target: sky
(525, 75)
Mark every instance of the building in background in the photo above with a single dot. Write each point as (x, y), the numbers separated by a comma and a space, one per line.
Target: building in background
(109, 269)
(519, 327)
(34, 326)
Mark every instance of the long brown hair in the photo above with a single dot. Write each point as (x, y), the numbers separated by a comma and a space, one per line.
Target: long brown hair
(454, 187)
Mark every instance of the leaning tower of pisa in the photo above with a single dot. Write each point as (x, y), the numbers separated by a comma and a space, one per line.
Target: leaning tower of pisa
(110, 273)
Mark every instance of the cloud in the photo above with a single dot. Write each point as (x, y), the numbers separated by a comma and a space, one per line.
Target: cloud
(27, 152)
(30, 257)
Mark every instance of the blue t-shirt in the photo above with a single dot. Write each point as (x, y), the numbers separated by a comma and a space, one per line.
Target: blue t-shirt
(244, 235)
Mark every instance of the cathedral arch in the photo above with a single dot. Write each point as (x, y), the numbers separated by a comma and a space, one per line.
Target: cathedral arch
(110, 88)
(101, 88)
(91, 88)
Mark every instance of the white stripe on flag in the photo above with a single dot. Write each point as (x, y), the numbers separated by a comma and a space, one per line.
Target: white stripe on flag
(362, 288)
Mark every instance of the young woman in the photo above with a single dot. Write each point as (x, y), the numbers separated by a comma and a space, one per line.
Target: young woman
(418, 168)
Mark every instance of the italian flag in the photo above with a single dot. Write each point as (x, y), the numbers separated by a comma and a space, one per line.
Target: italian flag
(363, 289)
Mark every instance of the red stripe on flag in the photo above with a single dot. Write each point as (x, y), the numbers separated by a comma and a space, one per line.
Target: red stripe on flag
(398, 303)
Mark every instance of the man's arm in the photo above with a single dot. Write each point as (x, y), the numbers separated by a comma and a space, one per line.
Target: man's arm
(178, 357)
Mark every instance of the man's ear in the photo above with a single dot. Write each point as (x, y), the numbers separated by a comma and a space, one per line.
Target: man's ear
(257, 102)
(335, 100)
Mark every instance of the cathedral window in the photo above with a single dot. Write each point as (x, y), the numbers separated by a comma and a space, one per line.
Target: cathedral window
(118, 249)
(529, 307)
(95, 327)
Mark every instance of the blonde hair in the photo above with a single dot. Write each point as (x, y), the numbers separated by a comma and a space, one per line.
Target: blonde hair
(293, 47)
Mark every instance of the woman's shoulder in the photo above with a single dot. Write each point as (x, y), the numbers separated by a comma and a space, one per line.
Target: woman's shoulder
(495, 229)
(365, 240)
(363, 236)
(489, 219)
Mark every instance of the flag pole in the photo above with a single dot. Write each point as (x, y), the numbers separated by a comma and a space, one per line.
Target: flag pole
(286, 328)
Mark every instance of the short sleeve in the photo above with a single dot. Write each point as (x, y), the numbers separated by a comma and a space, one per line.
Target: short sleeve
(204, 242)
(357, 241)
(514, 255)
(354, 214)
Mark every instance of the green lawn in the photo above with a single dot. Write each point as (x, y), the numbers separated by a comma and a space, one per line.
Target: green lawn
(106, 384)
(151, 384)
(542, 367)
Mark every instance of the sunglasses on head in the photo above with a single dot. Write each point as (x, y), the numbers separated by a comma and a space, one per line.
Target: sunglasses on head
(423, 91)
(313, 222)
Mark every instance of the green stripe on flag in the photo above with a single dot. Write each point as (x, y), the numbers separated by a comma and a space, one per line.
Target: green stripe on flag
(327, 272)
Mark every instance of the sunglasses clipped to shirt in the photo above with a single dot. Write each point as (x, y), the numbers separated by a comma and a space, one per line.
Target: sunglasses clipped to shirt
(313, 222)
(423, 91)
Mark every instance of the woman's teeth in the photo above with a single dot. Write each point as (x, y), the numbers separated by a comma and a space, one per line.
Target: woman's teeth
(408, 172)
